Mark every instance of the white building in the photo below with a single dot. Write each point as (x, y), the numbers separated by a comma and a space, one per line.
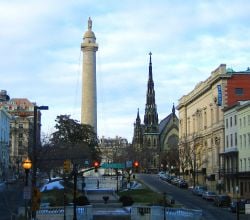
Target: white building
(235, 161)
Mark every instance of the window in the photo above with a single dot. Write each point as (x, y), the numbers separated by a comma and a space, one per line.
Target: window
(20, 135)
(245, 140)
(240, 141)
(20, 125)
(205, 120)
(20, 143)
(248, 139)
(245, 164)
(239, 91)
(231, 139)
(240, 164)
(235, 139)
(235, 120)
(227, 140)
(227, 123)
(244, 121)
(231, 122)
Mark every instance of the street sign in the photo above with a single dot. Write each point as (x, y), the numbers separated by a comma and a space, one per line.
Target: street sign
(113, 165)
(129, 164)
(27, 192)
(247, 208)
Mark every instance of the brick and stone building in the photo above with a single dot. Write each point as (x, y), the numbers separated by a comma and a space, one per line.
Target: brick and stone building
(201, 122)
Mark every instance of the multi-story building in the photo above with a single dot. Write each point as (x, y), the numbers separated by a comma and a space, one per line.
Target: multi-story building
(4, 142)
(201, 122)
(112, 149)
(235, 160)
(21, 129)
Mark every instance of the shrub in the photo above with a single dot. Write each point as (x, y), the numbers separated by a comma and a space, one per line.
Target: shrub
(82, 200)
(126, 200)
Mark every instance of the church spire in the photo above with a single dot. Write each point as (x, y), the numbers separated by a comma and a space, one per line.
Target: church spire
(138, 119)
(173, 109)
(151, 116)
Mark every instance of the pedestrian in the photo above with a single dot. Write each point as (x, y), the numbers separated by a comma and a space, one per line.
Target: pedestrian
(97, 184)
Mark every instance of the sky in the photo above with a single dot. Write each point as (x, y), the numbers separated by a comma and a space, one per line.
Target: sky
(41, 58)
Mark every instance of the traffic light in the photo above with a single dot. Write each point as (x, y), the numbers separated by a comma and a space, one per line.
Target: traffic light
(136, 166)
(36, 199)
(66, 166)
(96, 165)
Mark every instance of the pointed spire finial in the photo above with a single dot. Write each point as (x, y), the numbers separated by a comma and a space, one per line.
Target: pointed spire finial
(173, 109)
(89, 24)
(150, 54)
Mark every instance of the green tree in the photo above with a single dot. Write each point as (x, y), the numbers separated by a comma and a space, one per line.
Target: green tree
(71, 140)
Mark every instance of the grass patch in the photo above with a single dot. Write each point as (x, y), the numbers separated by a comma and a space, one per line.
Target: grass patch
(146, 196)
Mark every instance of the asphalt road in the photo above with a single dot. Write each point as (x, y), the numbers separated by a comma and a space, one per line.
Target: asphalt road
(188, 200)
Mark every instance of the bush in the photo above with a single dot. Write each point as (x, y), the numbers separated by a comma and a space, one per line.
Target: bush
(82, 200)
(126, 200)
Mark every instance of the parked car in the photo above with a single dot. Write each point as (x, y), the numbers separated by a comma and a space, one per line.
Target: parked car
(222, 200)
(198, 190)
(209, 195)
(183, 184)
(241, 203)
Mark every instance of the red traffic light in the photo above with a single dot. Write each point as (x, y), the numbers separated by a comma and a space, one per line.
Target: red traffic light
(96, 164)
(136, 163)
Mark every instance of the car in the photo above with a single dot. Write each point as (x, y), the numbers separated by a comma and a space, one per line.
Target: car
(241, 203)
(183, 184)
(198, 190)
(222, 200)
(209, 195)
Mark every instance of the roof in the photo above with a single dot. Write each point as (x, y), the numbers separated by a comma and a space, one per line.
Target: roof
(164, 122)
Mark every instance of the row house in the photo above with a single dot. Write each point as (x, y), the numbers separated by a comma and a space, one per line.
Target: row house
(235, 160)
(201, 123)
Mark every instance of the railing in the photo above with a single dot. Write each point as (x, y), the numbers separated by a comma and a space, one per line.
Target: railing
(57, 213)
(159, 212)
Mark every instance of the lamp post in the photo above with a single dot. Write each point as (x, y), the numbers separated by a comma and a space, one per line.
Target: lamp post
(26, 166)
(34, 160)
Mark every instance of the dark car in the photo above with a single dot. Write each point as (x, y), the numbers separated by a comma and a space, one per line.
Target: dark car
(222, 200)
(183, 184)
(241, 203)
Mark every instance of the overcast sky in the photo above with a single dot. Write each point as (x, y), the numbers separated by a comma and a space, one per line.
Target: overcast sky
(41, 59)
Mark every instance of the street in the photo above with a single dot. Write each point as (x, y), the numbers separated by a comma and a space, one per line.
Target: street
(188, 200)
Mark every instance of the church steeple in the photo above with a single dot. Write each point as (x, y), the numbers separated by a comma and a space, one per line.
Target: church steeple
(151, 115)
(138, 133)
(173, 109)
(138, 119)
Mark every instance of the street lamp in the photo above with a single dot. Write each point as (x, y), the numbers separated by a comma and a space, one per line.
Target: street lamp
(36, 108)
(26, 166)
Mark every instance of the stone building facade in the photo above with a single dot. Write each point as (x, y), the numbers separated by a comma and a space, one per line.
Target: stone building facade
(201, 122)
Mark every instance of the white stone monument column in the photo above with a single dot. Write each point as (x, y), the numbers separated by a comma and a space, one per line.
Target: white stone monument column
(89, 100)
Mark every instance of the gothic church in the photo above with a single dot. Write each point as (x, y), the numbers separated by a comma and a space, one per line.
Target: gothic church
(155, 144)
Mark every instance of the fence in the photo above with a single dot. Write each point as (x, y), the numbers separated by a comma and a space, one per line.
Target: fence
(159, 212)
(57, 213)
